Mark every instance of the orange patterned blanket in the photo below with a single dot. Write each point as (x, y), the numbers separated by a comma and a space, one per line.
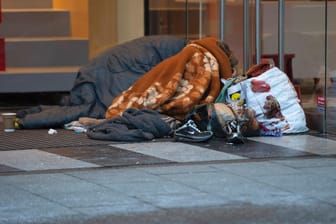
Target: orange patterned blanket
(178, 83)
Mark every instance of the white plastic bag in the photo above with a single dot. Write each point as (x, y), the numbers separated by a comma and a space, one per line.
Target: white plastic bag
(292, 119)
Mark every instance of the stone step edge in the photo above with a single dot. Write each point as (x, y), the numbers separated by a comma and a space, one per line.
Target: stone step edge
(14, 4)
(32, 10)
(39, 70)
(28, 80)
(44, 39)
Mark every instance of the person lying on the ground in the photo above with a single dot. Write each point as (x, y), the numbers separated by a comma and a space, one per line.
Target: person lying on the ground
(177, 84)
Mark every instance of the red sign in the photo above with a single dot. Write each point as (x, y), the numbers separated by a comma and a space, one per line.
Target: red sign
(0, 12)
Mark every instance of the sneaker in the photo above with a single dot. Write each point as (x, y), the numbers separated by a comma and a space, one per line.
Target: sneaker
(235, 138)
(234, 135)
(190, 132)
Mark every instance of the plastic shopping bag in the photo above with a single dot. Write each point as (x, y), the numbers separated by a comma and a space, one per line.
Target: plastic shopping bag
(273, 98)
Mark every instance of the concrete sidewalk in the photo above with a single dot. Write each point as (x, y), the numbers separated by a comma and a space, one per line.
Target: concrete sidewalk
(66, 178)
(292, 190)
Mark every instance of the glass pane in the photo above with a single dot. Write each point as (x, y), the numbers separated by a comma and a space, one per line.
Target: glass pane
(331, 67)
(308, 42)
(195, 19)
(173, 17)
(304, 46)
(231, 28)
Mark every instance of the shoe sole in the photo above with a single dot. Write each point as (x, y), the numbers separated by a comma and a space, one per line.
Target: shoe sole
(186, 139)
(236, 140)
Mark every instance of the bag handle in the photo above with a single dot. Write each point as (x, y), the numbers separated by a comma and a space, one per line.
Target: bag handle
(222, 95)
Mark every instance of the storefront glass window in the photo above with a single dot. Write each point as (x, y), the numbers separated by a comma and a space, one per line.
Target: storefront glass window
(308, 32)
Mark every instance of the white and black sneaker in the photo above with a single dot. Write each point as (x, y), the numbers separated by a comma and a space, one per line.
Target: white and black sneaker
(190, 132)
(233, 132)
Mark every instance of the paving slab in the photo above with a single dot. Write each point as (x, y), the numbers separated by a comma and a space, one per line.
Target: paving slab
(304, 143)
(174, 193)
(178, 152)
(33, 159)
